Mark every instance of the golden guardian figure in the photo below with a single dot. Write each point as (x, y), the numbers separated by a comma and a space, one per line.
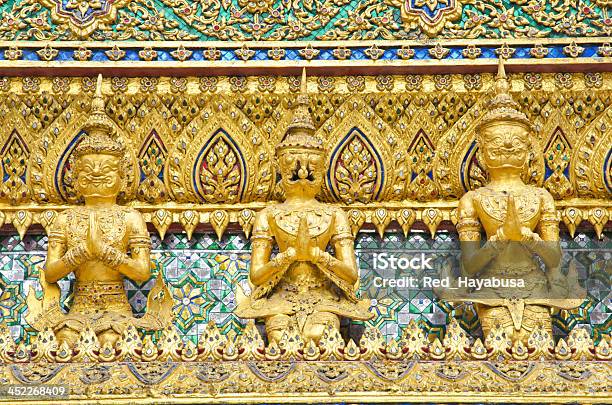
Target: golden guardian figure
(520, 222)
(303, 285)
(100, 242)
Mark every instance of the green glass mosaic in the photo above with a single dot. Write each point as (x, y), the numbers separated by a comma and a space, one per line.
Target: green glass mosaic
(204, 273)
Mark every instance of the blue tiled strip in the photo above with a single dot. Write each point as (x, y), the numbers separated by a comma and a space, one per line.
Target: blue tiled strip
(421, 53)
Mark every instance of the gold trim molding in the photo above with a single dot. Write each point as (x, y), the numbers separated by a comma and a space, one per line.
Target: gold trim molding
(229, 369)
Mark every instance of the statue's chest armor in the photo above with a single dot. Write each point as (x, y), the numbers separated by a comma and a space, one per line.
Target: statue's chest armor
(111, 223)
(494, 204)
(287, 222)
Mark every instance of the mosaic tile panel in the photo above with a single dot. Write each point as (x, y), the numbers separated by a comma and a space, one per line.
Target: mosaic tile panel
(203, 275)
(307, 20)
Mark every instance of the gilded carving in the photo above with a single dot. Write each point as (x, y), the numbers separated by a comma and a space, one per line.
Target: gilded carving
(216, 168)
(420, 156)
(303, 289)
(357, 170)
(557, 157)
(14, 157)
(101, 243)
(268, 21)
(152, 159)
(48, 119)
(592, 157)
(520, 222)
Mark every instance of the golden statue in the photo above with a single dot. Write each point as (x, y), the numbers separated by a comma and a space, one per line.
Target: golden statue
(302, 286)
(520, 222)
(101, 243)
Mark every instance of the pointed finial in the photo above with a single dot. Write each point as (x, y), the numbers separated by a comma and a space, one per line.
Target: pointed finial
(99, 86)
(97, 104)
(300, 132)
(501, 70)
(501, 81)
(304, 83)
(100, 129)
(502, 106)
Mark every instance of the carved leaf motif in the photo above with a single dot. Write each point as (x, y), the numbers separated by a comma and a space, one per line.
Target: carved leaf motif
(14, 157)
(152, 158)
(421, 155)
(356, 170)
(477, 175)
(221, 171)
(557, 157)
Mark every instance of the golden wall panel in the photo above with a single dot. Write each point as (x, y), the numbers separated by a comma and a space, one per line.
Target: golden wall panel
(394, 142)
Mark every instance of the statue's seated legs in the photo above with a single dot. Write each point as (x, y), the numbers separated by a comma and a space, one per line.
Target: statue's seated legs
(315, 325)
(317, 322)
(108, 336)
(276, 325)
(68, 335)
(533, 316)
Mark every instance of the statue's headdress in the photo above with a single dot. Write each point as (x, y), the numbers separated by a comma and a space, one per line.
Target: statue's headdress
(502, 106)
(99, 130)
(300, 132)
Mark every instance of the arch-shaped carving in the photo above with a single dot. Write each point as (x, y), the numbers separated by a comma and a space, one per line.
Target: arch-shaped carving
(473, 173)
(559, 135)
(219, 172)
(151, 161)
(152, 156)
(356, 171)
(63, 179)
(421, 153)
(220, 157)
(608, 172)
(557, 155)
(591, 158)
(17, 148)
(366, 160)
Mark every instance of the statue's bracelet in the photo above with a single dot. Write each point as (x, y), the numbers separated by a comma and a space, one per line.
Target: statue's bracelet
(323, 258)
(75, 256)
(113, 257)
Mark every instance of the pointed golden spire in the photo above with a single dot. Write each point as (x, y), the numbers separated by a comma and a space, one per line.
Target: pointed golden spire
(300, 132)
(301, 115)
(502, 106)
(501, 81)
(501, 70)
(100, 129)
(97, 104)
(304, 82)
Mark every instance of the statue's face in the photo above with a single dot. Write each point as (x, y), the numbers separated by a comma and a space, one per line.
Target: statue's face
(505, 146)
(301, 171)
(99, 175)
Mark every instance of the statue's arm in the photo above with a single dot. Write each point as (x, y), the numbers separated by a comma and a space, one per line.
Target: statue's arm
(60, 262)
(262, 268)
(548, 247)
(137, 265)
(344, 264)
(473, 257)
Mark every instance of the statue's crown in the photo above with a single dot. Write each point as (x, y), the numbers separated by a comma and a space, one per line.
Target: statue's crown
(502, 106)
(300, 132)
(99, 128)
